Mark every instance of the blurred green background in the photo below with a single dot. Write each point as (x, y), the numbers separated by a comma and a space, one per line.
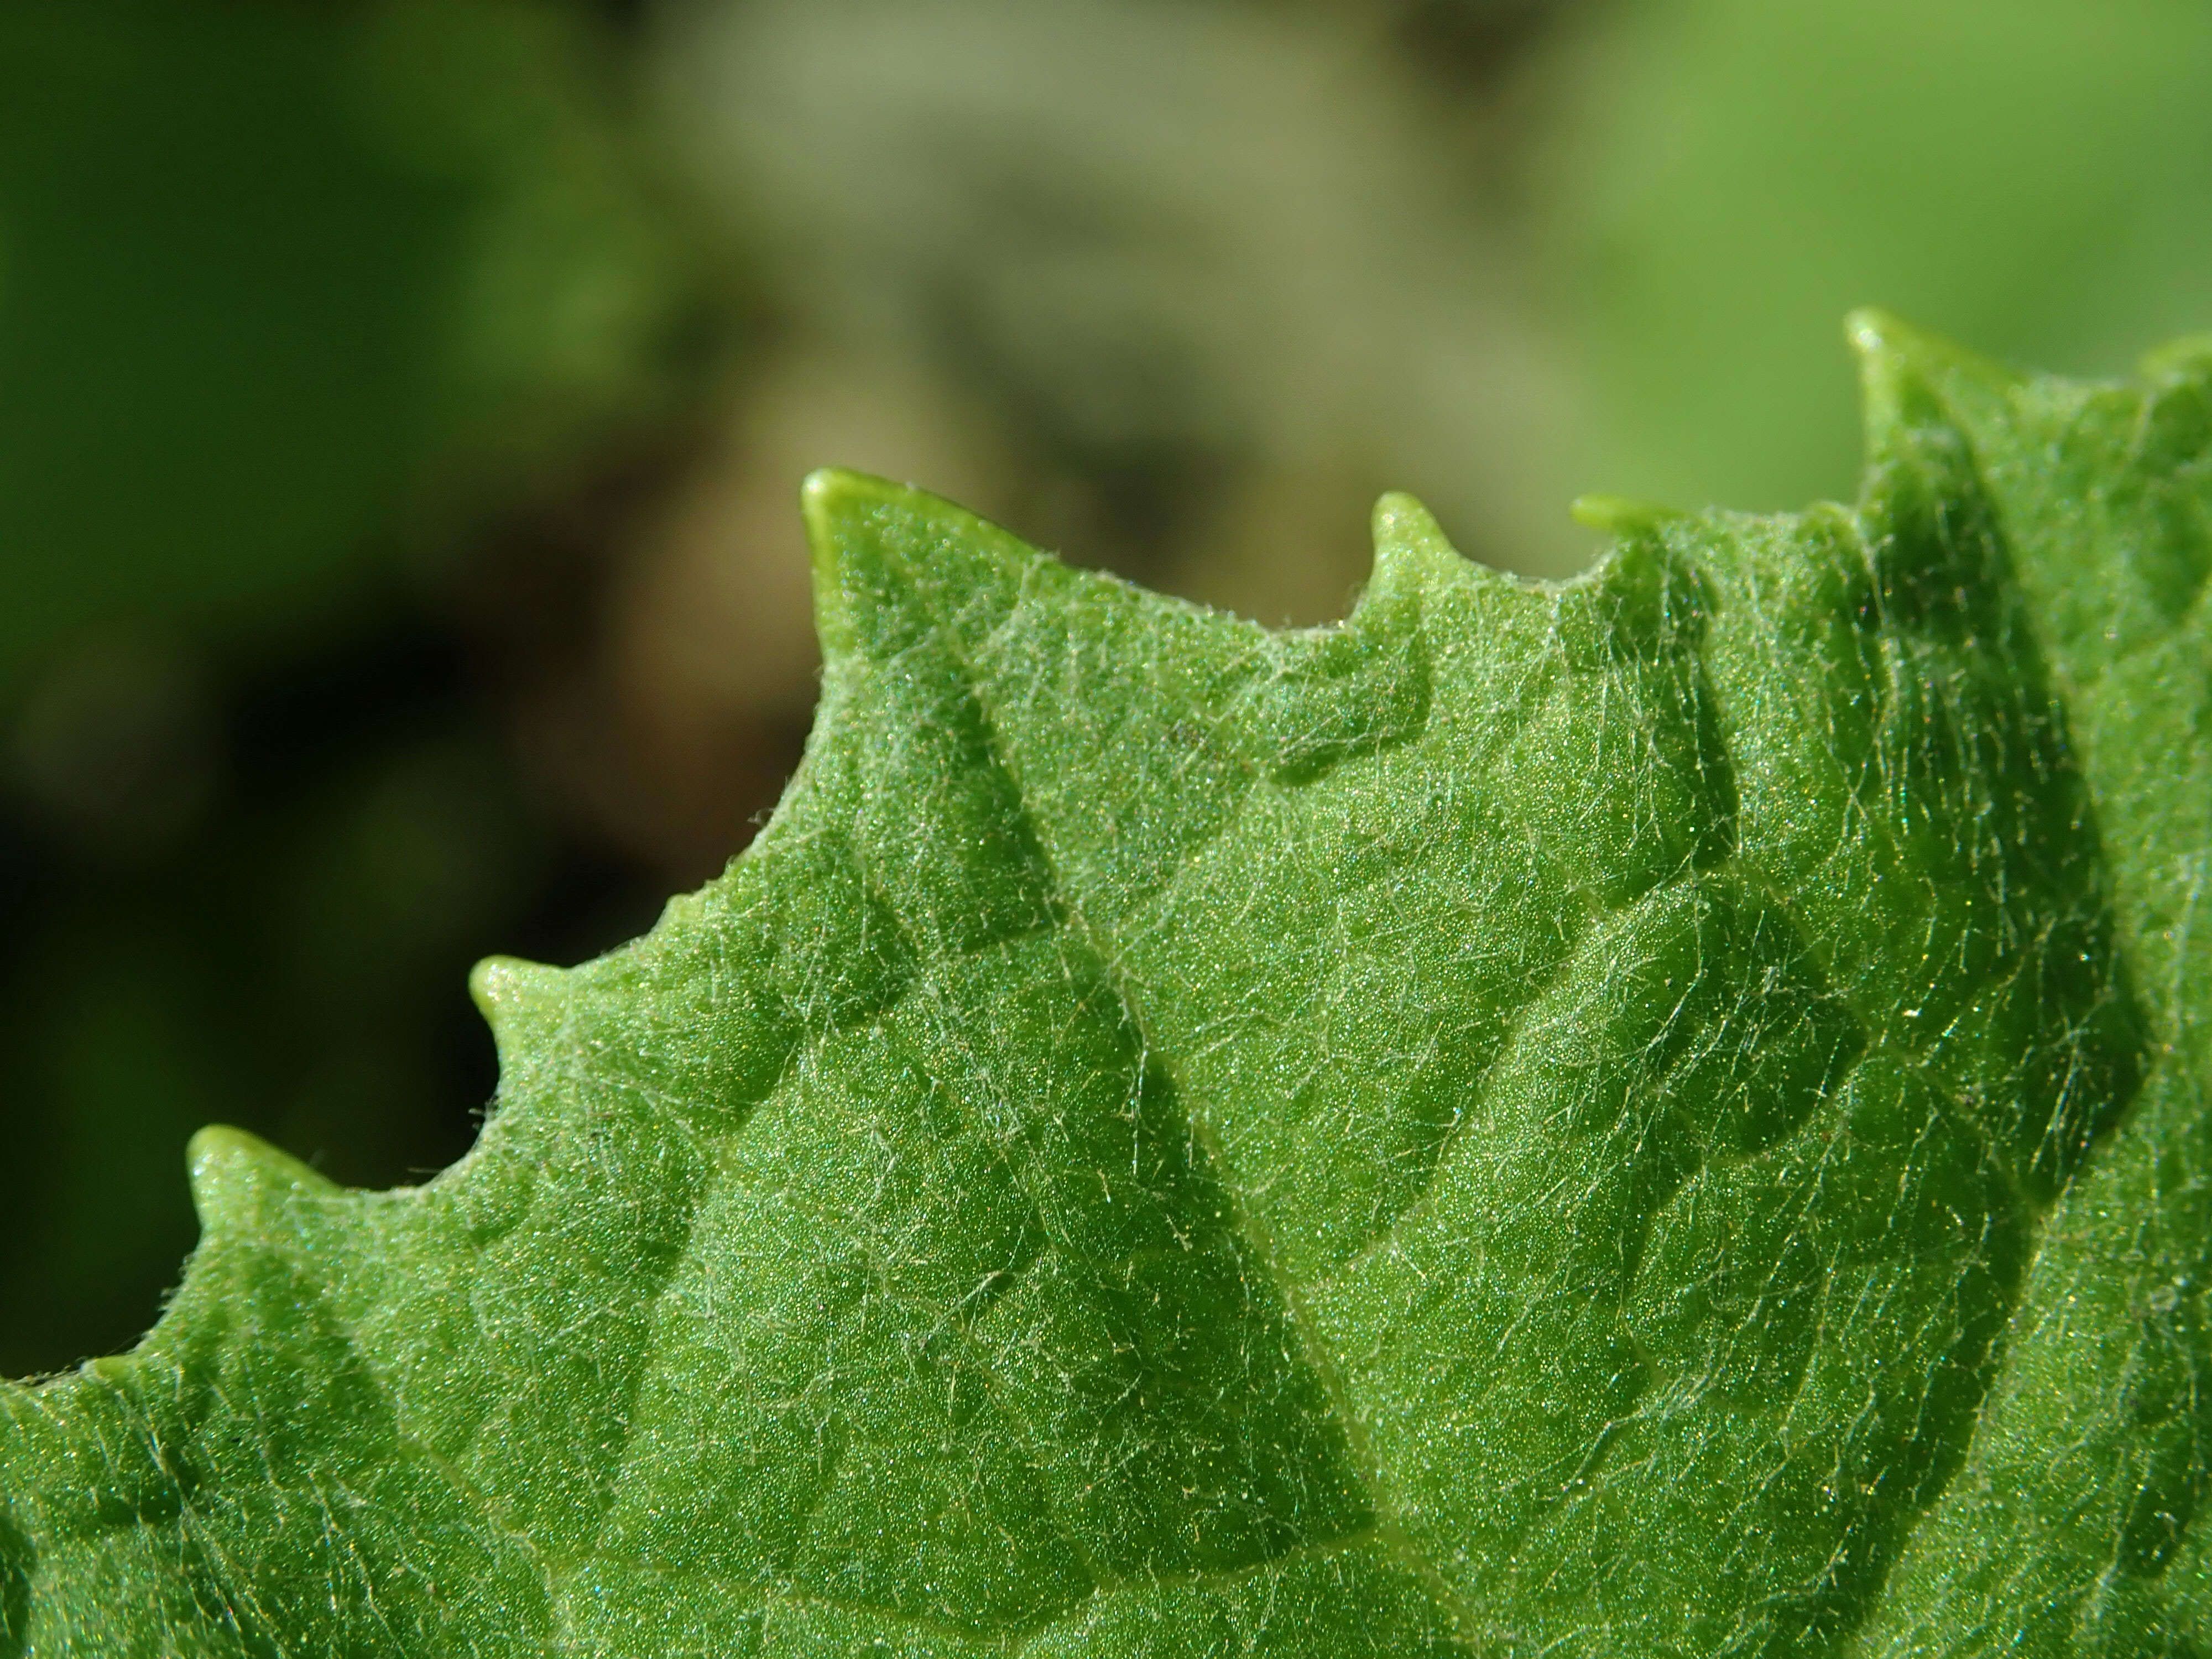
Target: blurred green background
(402, 406)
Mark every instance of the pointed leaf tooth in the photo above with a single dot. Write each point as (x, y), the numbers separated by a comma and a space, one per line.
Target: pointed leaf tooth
(524, 1003)
(825, 498)
(1411, 548)
(1911, 379)
(238, 1180)
(887, 555)
(1894, 385)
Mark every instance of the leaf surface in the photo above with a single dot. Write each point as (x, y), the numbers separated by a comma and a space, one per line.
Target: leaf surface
(1659, 1114)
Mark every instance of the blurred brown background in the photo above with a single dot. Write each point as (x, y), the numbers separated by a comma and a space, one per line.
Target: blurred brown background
(402, 406)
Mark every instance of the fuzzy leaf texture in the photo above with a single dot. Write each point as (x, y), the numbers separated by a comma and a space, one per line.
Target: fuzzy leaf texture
(1662, 1114)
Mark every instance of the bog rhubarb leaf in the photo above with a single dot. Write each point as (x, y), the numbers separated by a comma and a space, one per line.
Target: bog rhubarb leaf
(1662, 1115)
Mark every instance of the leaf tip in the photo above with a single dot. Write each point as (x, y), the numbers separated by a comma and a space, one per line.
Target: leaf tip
(1909, 378)
(504, 987)
(234, 1176)
(1409, 543)
(1871, 330)
(827, 497)
(866, 534)
(523, 1002)
(1887, 343)
(830, 495)
(1894, 360)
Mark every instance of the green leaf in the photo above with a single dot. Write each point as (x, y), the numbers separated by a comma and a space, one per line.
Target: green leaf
(1659, 1114)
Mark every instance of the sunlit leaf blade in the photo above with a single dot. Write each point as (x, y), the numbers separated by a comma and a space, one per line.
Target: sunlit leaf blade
(1655, 1116)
